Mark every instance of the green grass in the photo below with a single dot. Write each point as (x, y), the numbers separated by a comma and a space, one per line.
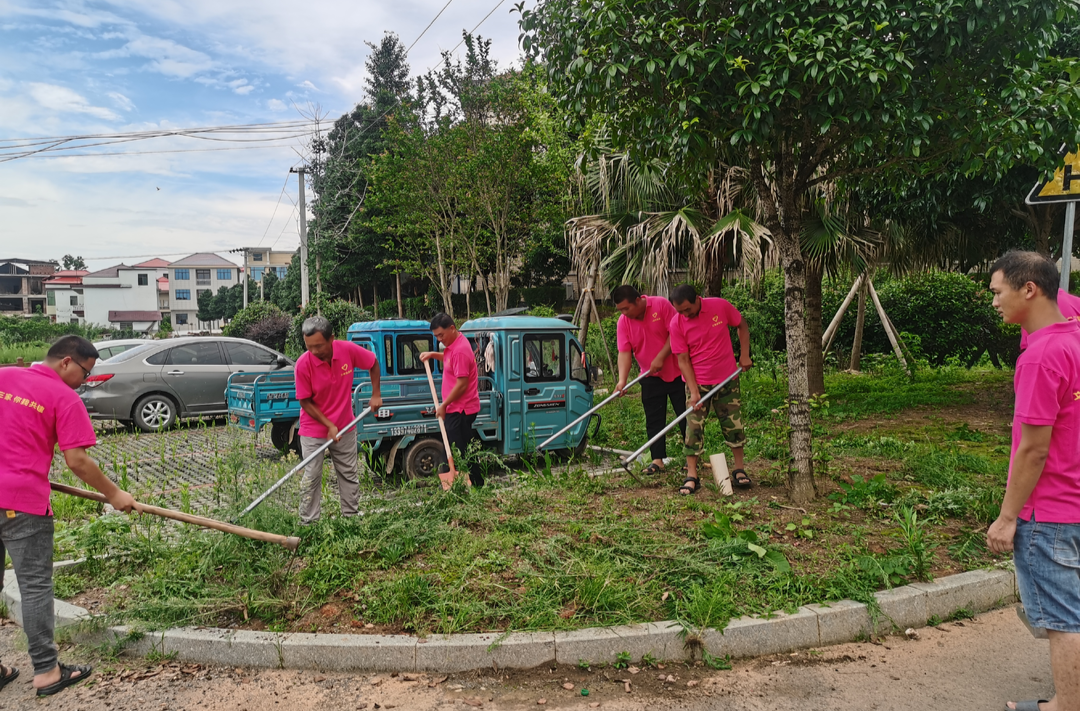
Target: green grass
(29, 352)
(564, 550)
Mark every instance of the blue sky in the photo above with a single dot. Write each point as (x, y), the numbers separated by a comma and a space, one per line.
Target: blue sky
(75, 67)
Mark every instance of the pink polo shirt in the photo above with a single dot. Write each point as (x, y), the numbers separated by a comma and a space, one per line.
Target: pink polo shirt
(1070, 309)
(706, 338)
(330, 385)
(459, 362)
(647, 337)
(37, 411)
(1047, 384)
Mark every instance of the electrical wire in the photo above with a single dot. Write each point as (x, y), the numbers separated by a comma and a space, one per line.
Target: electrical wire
(276, 206)
(428, 26)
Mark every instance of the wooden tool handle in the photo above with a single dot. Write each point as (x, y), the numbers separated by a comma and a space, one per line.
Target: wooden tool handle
(290, 542)
(446, 482)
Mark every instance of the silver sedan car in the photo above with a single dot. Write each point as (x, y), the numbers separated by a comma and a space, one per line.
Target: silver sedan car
(155, 384)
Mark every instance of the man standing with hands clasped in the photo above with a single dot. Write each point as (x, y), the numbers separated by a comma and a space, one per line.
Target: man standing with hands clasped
(324, 385)
(1040, 515)
(460, 386)
(642, 333)
(39, 410)
(700, 340)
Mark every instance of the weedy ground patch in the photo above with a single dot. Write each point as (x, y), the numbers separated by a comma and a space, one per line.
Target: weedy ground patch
(910, 475)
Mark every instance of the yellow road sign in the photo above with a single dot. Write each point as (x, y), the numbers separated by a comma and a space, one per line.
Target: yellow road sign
(1063, 187)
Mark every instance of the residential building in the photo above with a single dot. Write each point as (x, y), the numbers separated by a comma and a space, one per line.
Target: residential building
(64, 296)
(125, 297)
(22, 286)
(260, 261)
(190, 276)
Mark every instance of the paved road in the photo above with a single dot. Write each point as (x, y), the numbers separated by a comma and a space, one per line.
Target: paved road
(976, 665)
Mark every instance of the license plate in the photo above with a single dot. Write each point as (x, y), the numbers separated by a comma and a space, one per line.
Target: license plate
(407, 430)
(277, 396)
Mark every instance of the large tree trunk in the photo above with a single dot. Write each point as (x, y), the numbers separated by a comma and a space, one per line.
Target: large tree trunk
(801, 472)
(815, 357)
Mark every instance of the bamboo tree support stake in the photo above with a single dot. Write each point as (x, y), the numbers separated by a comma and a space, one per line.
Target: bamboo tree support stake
(603, 337)
(860, 325)
(834, 325)
(887, 325)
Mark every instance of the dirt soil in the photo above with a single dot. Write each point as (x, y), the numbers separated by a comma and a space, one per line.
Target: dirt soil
(974, 664)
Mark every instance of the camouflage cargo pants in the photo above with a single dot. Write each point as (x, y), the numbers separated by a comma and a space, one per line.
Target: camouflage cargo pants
(726, 406)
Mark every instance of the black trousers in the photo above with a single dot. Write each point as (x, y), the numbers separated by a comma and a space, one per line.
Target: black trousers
(459, 430)
(655, 396)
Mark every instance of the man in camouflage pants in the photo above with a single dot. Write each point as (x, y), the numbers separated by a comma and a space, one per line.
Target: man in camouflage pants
(701, 341)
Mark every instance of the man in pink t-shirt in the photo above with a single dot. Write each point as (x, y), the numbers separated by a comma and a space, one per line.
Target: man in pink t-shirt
(702, 343)
(324, 385)
(460, 387)
(1069, 306)
(1040, 514)
(39, 410)
(642, 334)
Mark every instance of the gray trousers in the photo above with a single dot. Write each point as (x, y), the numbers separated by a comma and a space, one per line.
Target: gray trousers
(29, 541)
(343, 455)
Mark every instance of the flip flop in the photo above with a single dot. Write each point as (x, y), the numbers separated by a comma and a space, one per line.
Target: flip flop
(651, 470)
(1029, 705)
(11, 676)
(66, 679)
(742, 482)
(686, 490)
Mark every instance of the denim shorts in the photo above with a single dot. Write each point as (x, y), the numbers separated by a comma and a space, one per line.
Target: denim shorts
(1047, 557)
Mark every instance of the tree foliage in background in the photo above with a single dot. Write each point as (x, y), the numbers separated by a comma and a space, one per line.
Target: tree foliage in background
(70, 262)
(340, 313)
(262, 322)
(815, 93)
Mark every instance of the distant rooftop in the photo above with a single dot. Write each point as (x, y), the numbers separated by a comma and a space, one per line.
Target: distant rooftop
(154, 263)
(108, 273)
(203, 259)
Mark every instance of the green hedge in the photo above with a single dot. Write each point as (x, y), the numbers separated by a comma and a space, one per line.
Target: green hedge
(17, 329)
(339, 312)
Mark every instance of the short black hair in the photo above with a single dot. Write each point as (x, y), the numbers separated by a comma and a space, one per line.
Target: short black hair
(442, 320)
(318, 324)
(683, 292)
(71, 347)
(626, 292)
(1018, 267)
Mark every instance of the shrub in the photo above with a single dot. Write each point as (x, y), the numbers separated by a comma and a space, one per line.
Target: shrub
(246, 318)
(16, 329)
(271, 332)
(339, 312)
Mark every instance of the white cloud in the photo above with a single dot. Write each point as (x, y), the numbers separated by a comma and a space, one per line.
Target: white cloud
(244, 90)
(122, 101)
(167, 57)
(308, 85)
(60, 98)
(276, 105)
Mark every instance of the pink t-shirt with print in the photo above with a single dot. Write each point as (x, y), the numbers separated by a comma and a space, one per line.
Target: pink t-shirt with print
(37, 412)
(330, 385)
(1047, 384)
(646, 338)
(707, 339)
(1070, 309)
(459, 362)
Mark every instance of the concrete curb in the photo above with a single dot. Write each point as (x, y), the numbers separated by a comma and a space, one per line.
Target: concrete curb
(810, 626)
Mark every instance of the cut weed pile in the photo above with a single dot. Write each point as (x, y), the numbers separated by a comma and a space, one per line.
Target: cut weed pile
(910, 476)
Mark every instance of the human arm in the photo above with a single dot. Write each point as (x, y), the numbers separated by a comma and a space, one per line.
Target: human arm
(658, 362)
(308, 405)
(626, 358)
(432, 355)
(375, 402)
(687, 368)
(455, 393)
(80, 463)
(1027, 467)
(744, 345)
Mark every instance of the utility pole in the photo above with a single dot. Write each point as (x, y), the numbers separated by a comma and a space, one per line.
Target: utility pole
(246, 276)
(305, 294)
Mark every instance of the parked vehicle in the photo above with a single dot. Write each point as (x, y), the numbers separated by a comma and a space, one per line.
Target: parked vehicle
(533, 381)
(154, 385)
(108, 349)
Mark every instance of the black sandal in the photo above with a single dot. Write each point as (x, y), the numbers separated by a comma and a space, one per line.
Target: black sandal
(66, 679)
(651, 470)
(11, 676)
(743, 482)
(686, 490)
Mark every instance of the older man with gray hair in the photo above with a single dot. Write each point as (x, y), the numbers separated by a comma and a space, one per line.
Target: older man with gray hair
(324, 384)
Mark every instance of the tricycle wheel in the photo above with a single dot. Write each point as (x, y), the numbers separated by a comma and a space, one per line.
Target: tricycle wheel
(279, 437)
(423, 458)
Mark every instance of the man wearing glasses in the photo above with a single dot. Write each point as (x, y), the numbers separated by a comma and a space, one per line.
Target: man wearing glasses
(39, 410)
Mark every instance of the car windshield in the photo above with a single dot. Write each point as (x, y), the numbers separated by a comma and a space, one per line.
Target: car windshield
(128, 354)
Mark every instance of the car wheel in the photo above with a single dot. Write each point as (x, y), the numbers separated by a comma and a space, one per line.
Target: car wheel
(423, 458)
(155, 412)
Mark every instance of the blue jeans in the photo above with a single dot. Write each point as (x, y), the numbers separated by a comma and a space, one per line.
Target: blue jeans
(28, 539)
(1047, 557)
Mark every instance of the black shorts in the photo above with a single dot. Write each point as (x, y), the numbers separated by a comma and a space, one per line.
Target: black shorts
(459, 430)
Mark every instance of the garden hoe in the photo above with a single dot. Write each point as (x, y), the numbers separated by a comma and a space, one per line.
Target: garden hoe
(290, 542)
(590, 413)
(662, 433)
(447, 477)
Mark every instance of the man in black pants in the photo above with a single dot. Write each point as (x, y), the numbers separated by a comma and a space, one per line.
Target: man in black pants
(460, 392)
(643, 334)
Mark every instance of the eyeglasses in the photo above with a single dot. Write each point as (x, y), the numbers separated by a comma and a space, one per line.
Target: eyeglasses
(86, 373)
